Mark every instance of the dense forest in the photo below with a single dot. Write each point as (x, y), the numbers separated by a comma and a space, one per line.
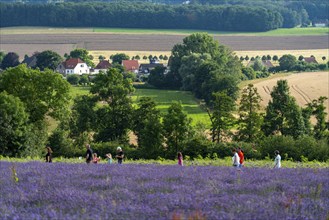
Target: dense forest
(146, 15)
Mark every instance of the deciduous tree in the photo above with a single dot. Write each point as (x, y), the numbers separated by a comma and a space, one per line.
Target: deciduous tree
(48, 59)
(249, 124)
(176, 127)
(148, 128)
(11, 59)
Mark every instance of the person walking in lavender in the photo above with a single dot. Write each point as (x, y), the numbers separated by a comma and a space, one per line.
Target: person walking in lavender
(235, 158)
(180, 158)
(89, 154)
(119, 155)
(277, 160)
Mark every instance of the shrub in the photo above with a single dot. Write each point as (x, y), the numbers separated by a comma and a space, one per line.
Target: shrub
(284, 144)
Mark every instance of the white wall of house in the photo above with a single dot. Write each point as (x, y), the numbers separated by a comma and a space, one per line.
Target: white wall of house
(81, 68)
(96, 71)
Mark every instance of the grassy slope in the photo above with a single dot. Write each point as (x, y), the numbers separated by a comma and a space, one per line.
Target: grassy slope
(163, 98)
(277, 32)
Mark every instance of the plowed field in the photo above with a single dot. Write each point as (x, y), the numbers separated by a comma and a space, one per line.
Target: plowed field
(63, 43)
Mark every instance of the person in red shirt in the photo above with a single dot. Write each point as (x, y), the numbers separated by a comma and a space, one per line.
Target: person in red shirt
(241, 156)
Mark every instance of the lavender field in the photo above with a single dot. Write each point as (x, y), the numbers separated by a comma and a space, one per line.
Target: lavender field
(36, 190)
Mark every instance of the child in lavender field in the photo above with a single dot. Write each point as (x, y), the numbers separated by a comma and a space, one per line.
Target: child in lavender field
(109, 158)
(235, 158)
(277, 160)
(96, 159)
(180, 158)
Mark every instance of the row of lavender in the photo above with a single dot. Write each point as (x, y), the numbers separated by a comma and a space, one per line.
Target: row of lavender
(37, 190)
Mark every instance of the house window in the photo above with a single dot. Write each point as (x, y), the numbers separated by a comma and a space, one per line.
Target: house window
(81, 65)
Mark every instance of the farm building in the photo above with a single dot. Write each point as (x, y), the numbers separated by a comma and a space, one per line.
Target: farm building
(268, 64)
(131, 65)
(73, 66)
(310, 60)
(31, 61)
(146, 68)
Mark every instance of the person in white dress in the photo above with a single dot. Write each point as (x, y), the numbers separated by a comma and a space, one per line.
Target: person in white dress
(277, 160)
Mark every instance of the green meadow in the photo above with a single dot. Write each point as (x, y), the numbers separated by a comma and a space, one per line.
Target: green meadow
(163, 99)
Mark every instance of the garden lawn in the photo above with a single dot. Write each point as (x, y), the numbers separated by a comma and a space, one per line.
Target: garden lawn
(37, 190)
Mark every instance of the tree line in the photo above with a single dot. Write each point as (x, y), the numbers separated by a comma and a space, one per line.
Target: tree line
(292, 12)
(145, 15)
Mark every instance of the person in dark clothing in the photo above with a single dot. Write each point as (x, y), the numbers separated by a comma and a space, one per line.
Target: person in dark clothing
(89, 154)
(119, 155)
(48, 155)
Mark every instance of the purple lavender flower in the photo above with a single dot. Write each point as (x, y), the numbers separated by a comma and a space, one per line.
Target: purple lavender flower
(131, 191)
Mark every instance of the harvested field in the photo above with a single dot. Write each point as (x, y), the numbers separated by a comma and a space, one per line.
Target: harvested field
(152, 42)
(305, 87)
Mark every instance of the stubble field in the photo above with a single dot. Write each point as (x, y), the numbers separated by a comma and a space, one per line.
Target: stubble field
(305, 87)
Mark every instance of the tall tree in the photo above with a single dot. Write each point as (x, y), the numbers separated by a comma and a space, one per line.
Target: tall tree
(221, 117)
(176, 127)
(187, 58)
(13, 125)
(117, 58)
(83, 54)
(318, 110)
(148, 128)
(43, 93)
(48, 59)
(287, 62)
(11, 59)
(249, 124)
(114, 116)
(282, 113)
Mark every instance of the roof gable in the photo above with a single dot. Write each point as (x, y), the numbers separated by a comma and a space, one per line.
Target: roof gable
(130, 65)
(72, 63)
(104, 64)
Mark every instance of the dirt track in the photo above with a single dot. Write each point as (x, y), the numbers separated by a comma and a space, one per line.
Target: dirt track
(305, 87)
(28, 43)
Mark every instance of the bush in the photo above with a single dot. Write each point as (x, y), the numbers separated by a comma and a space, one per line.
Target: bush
(284, 144)
(303, 147)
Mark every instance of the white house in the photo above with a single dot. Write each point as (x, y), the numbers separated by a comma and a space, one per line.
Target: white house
(73, 66)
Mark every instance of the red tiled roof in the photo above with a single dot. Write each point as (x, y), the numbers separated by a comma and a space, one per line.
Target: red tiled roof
(104, 64)
(72, 63)
(130, 65)
(310, 60)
